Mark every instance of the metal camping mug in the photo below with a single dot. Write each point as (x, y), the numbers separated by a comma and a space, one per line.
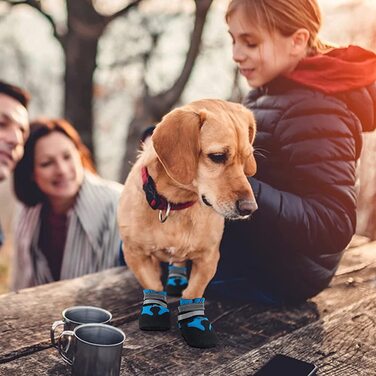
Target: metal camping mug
(96, 349)
(78, 315)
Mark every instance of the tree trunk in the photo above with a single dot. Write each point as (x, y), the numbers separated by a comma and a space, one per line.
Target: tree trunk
(85, 26)
(80, 65)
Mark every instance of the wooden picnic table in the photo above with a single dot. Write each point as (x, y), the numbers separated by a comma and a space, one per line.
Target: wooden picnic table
(336, 330)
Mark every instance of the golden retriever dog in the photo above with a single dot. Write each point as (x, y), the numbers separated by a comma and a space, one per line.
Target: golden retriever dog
(189, 177)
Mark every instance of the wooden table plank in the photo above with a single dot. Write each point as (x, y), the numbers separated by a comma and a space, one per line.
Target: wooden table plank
(340, 344)
(343, 343)
(29, 313)
(355, 278)
(143, 348)
(241, 328)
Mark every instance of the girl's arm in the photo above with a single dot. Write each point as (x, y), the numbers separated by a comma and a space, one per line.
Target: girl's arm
(318, 145)
(304, 223)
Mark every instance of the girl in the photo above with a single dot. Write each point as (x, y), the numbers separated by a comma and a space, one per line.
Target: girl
(67, 225)
(311, 102)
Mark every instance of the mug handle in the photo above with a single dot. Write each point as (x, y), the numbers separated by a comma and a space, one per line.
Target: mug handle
(62, 351)
(52, 331)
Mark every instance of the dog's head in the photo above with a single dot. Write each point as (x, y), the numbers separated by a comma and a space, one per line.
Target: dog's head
(208, 145)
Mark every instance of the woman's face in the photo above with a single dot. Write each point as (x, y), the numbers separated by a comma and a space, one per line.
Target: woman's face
(58, 170)
(260, 56)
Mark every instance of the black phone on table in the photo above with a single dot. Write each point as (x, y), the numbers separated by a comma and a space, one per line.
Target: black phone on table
(283, 365)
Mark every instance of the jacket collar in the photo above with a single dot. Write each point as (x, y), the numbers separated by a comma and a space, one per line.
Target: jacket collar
(91, 216)
(339, 70)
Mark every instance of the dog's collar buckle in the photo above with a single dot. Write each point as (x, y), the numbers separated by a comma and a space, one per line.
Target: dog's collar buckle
(162, 218)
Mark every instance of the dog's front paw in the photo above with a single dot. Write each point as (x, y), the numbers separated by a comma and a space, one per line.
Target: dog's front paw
(194, 326)
(155, 314)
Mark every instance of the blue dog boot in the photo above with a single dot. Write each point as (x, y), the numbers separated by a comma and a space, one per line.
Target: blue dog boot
(155, 314)
(194, 325)
(176, 281)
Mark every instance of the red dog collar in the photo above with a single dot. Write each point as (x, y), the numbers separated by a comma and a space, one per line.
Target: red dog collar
(154, 199)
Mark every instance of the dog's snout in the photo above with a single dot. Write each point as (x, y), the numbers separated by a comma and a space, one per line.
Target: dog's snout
(246, 207)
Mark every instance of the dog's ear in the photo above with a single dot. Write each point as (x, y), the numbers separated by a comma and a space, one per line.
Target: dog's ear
(251, 127)
(250, 166)
(176, 142)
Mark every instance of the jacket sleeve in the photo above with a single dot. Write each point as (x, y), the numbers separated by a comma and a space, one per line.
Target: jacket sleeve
(317, 149)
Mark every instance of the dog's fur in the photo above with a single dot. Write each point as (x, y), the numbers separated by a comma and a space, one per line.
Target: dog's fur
(179, 159)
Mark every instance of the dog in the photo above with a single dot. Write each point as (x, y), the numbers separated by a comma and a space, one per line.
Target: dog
(189, 177)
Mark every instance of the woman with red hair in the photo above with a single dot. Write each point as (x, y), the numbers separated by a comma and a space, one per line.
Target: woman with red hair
(67, 224)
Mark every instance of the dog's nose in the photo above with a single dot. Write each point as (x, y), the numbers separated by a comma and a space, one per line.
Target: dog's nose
(246, 207)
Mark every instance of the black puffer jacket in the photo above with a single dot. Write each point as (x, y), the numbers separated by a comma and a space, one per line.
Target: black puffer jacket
(307, 145)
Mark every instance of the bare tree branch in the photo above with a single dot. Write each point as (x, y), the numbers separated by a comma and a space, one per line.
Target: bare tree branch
(122, 11)
(36, 4)
(172, 95)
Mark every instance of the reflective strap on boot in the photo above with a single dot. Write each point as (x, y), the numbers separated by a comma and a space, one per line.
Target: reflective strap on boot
(190, 310)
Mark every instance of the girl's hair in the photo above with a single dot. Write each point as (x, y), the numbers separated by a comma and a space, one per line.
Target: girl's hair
(25, 187)
(285, 16)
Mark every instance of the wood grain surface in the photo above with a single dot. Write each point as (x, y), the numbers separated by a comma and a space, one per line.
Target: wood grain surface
(335, 330)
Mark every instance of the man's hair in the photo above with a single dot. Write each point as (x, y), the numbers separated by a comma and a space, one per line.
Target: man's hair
(15, 92)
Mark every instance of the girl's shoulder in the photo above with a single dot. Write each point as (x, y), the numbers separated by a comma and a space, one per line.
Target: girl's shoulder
(283, 96)
(287, 97)
(296, 113)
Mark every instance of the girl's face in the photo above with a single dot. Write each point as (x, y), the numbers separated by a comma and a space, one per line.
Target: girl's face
(58, 170)
(260, 55)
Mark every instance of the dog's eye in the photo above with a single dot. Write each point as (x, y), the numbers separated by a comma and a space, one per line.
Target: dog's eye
(218, 157)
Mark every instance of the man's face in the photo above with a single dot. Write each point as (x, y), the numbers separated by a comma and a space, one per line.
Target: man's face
(14, 129)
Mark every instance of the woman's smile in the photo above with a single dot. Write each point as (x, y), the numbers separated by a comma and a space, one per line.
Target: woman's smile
(58, 170)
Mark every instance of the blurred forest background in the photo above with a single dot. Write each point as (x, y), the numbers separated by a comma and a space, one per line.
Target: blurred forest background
(114, 67)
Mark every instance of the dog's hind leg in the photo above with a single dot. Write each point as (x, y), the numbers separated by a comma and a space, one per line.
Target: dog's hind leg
(177, 279)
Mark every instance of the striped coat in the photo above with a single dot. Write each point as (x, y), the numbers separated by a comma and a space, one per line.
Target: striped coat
(92, 242)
